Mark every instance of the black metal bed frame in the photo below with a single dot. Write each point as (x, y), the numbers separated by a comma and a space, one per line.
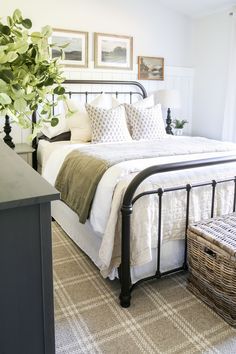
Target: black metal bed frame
(129, 199)
(127, 209)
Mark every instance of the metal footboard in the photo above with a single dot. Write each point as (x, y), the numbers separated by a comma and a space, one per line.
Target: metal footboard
(127, 209)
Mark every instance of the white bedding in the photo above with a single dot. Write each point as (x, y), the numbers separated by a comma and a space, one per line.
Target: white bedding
(104, 212)
(45, 148)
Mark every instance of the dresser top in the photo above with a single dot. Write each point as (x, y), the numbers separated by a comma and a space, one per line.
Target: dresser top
(20, 185)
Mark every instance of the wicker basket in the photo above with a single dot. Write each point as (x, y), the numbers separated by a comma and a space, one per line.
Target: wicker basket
(212, 264)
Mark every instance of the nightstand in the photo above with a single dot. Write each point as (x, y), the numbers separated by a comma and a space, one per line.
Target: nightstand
(25, 151)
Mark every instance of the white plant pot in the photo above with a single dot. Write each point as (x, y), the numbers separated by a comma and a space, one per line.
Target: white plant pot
(179, 131)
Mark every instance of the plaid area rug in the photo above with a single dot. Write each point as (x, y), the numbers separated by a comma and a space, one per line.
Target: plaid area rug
(164, 316)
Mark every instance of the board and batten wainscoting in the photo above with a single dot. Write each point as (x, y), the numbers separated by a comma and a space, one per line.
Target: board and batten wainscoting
(179, 78)
(26, 295)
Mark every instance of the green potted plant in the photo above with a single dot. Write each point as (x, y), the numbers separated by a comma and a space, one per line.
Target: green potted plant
(28, 75)
(179, 125)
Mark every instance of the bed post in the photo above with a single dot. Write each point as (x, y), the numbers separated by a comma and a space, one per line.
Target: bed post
(34, 142)
(125, 280)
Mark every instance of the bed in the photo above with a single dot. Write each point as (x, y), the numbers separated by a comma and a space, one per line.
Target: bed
(147, 239)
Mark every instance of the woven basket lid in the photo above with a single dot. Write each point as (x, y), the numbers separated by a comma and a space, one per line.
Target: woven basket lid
(221, 231)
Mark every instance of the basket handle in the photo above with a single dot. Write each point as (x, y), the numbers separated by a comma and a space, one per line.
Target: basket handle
(209, 252)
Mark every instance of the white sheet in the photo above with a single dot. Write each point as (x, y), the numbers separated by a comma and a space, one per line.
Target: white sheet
(103, 217)
(45, 148)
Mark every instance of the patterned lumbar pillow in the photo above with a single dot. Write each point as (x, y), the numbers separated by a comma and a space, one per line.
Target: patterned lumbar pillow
(108, 125)
(145, 123)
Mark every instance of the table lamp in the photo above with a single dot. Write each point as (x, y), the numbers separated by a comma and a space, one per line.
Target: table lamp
(169, 99)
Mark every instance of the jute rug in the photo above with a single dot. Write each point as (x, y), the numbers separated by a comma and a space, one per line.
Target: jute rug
(164, 317)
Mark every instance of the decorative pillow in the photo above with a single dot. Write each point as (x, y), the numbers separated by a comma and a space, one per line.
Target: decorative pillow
(104, 101)
(147, 102)
(108, 125)
(79, 122)
(61, 127)
(145, 123)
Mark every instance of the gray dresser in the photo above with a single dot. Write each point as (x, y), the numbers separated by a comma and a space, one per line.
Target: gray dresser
(26, 284)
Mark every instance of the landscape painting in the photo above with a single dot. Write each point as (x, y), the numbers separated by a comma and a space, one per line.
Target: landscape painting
(113, 51)
(150, 68)
(74, 45)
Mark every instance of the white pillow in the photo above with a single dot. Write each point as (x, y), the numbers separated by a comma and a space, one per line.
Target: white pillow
(147, 102)
(79, 122)
(62, 125)
(105, 101)
(108, 125)
(145, 123)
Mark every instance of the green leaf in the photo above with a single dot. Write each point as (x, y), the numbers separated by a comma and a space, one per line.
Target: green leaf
(16, 32)
(27, 23)
(16, 87)
(17, 16)
(30, 97)
(26, 79)
(4, 99)
(6, 30)
(59, 90)
(63, 46)
(34, 107)
(6, 75)
(4, 47)
(33, 52)
(3, 58)
(23, 47)
(11, 56)
(43, 112)
(9, 21)
(48, 82)
(20, 105)
(36, 37)
(3, 84)
(47, 31)
(54, 121)
(19, 93)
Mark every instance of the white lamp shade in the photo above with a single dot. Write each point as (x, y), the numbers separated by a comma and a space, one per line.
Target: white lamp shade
(169, 98)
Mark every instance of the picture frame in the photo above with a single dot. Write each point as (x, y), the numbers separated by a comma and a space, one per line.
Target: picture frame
(113, 51)
(76, 53)
(150, 68)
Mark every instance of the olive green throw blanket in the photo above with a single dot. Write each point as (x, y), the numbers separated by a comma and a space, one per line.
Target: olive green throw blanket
(78, 179)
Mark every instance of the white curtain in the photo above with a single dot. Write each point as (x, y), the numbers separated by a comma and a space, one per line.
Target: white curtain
(229, 124)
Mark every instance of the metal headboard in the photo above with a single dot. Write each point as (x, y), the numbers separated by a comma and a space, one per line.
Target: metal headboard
(140, 91)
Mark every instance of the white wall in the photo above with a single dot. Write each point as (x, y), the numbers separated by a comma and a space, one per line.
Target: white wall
(210, 59)
(157, 31)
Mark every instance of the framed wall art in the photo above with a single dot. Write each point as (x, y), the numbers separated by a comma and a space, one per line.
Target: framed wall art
(113, 51)
(76, 52)
(150, 68)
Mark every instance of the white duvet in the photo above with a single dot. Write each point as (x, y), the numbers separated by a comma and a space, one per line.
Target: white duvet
(108, 198)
